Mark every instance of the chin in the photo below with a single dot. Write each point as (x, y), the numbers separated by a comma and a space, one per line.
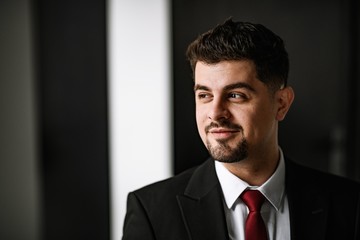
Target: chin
(222, 152)
(231, 158)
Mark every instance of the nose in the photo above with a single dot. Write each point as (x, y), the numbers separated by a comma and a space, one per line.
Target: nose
(218, 110)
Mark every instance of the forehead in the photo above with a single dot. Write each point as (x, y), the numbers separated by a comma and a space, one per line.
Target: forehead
(226, 72)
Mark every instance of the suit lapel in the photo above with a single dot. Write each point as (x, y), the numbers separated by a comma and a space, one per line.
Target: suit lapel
(307, 204)
(201, 205)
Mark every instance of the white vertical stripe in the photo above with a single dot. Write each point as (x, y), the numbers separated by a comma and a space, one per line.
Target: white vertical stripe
(139, 87)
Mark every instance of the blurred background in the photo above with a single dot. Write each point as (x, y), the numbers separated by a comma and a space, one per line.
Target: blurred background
(96, 100)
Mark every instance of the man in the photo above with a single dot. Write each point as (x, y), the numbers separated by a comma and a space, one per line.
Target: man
(241, 93)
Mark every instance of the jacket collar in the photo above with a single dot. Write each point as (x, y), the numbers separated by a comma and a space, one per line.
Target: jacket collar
(202, 205)
(308, 204)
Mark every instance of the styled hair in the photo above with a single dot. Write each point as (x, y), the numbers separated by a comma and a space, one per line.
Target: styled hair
(243, 41)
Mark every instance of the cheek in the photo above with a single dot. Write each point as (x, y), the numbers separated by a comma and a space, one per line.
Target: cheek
(254, 123)
(262, 125)
(201, 113)
(200, 120)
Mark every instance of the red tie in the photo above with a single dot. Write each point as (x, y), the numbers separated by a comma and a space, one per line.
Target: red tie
(255, 227)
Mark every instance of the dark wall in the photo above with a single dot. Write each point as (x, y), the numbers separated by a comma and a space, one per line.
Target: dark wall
(322, 128)
(19, 190)
(70, 45)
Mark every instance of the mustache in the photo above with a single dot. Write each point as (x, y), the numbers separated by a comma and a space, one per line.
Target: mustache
(223, 124)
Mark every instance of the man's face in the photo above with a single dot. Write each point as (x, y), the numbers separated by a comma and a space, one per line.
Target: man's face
(236, 113)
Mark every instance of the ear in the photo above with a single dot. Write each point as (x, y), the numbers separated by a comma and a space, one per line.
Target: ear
(284, 98)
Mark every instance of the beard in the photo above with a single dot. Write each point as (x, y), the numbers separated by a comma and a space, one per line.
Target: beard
(222, 151)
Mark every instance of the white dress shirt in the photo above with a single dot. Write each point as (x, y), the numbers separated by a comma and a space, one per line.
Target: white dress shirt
(275, 211)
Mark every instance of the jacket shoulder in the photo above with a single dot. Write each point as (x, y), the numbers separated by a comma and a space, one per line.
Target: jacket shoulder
(153, 209)
(307, 176)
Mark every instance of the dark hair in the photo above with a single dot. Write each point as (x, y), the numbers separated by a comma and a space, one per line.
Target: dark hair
(243, 41)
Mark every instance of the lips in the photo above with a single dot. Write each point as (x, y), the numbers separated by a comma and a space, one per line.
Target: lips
(222, 132)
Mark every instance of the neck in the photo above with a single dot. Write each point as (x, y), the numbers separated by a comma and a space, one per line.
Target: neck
(255, 170)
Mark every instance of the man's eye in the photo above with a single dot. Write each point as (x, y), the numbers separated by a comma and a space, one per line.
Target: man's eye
(237, 95)
(203, 95)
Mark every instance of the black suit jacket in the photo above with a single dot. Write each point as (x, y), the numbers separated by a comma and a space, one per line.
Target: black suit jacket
(190, 206)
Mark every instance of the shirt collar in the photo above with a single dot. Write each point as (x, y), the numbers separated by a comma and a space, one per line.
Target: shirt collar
(273, 189)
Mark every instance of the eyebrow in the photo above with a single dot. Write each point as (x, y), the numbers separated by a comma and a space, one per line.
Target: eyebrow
(227, 87)
(200, 87)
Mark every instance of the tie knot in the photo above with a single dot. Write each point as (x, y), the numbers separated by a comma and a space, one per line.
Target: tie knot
(253, 200)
